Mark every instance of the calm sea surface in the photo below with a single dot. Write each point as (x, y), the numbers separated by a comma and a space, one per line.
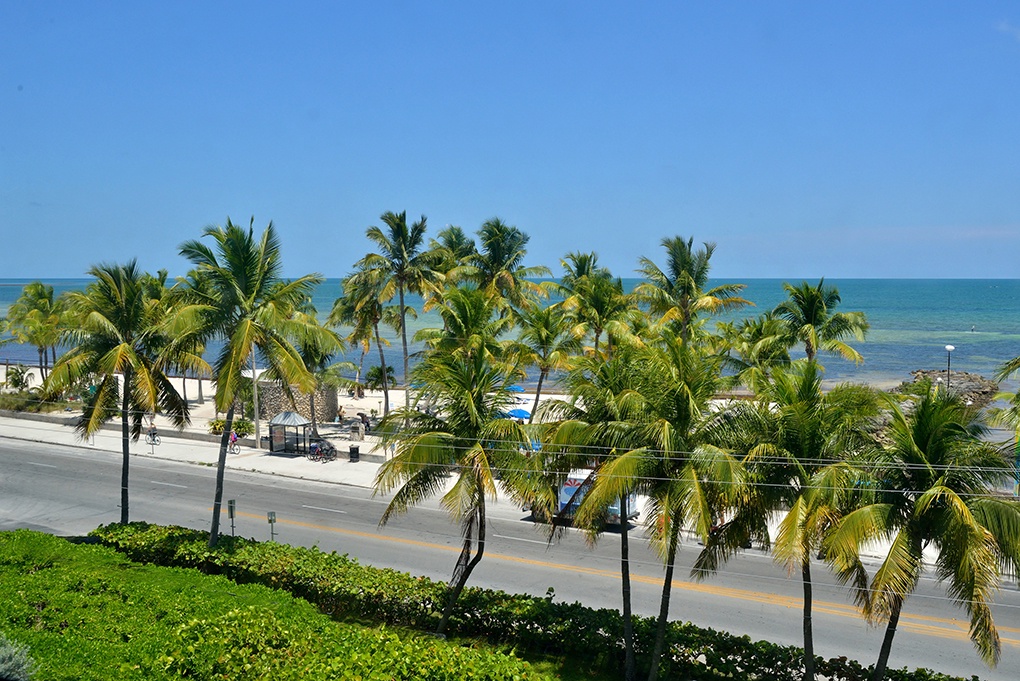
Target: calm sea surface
(912, 320)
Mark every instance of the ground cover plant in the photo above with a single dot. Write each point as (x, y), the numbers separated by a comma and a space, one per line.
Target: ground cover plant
(589, 640)
(88, 612)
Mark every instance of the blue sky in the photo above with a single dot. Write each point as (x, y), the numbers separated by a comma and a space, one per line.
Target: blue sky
(805, 139)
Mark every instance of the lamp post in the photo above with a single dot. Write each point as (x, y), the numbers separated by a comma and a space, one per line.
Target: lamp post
(949, 363)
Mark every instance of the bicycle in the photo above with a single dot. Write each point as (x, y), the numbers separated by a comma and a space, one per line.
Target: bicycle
(152, 437)
(234, 448)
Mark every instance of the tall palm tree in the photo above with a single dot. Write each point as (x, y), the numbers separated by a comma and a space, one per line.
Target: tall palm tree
(467, 437)
(594, 427)
(810, 316)
(498, 266)
(677, 293)
(754, 345)
(688, 478)
(408, 267)
(796, 439)
(245, 301)
(361, 306)
(546, 341)
(938, 480)
(119, 333)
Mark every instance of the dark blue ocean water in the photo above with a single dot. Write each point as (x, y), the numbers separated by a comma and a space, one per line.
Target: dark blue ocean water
(912, 320)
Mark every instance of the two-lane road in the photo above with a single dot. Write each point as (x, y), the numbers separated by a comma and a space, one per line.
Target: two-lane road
(71, 490)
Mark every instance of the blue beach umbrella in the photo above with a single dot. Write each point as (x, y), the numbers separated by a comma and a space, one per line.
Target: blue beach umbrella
(515, 389)
(518, 414)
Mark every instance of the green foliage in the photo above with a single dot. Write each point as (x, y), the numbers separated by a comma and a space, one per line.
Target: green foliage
(28, 401)
(89, 613)
(341, 587)
(15, 664)
(18, 377)
(243, 427)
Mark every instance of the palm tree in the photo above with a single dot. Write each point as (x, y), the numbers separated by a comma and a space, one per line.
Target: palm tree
(244, 301)
(546, 341)
(595, 426)
(362, 306)
(796, 439)
(453, 245)
(938, 480)
(119, 333)
(467, 437)
(408, 268)
(677, 293)
(36, 318)
(755, 345)
(471, 325)
(688, 479)
(498, 266)
(317, 346)
(810, 318)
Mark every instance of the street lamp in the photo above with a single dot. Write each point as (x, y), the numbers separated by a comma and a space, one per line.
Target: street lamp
(949, 363)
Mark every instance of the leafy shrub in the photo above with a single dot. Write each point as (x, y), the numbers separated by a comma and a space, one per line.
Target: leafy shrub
(341, 587)
(243, 427)
(90, 613)
(15, 664)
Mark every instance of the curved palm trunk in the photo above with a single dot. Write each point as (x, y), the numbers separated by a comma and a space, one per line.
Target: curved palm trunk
(382, 367)
(538, 393)
(629, 673)
(465, 563)
(125, 440)
(667, 586)
(883, 654)
(221, 464)
(42, 363)
(809, 641)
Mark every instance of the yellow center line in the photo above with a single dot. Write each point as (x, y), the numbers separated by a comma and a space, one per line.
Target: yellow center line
(928, 625)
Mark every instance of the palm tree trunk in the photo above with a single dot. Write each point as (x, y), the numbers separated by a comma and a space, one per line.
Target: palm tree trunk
(201, 398)
(255, 400)
(125, 443)
(42, 368)
(382, 367)
(809, 641)
(184, 386)
(883, 654)
(629, 673)
(465, 566)
(311, 405)
(538, 394)
(403, 342)
(221, 464)
(667, 585)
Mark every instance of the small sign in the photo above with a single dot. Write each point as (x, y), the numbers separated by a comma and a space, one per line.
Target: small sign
(271, 516)
(231, 508)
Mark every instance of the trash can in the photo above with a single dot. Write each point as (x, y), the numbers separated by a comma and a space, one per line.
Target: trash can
(355, 453)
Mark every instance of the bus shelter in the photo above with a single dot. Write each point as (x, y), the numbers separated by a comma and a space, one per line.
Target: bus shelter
(289, 433)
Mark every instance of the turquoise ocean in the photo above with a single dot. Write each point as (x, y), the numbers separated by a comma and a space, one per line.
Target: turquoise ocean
(912, 320)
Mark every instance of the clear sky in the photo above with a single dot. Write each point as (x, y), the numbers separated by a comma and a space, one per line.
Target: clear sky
(863, 139)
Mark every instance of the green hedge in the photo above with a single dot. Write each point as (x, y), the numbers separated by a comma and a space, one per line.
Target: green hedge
(87, 612)
(344, 589)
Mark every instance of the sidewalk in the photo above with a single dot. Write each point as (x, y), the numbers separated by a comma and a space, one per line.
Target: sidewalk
(197, 447)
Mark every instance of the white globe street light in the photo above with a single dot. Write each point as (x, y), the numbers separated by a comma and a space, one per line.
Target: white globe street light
(949, 363)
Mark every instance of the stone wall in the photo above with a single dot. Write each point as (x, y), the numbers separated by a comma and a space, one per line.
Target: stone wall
(272, 401)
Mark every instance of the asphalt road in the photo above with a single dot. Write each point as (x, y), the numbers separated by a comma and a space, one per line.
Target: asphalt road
(71, 490)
